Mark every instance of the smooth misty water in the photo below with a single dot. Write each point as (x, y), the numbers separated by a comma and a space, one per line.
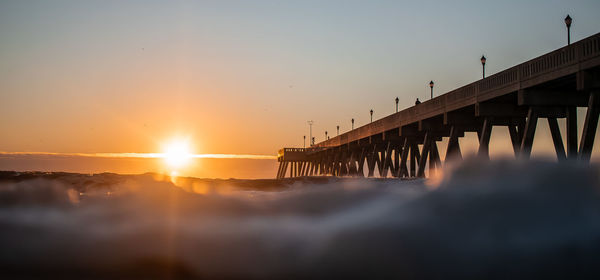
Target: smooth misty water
(501, 219)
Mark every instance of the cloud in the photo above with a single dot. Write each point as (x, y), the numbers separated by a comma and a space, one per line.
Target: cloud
(138, 155)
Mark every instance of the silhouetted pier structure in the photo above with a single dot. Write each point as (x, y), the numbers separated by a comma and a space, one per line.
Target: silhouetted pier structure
(404, 144)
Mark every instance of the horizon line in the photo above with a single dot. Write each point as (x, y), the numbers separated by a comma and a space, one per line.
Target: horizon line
(141, 155)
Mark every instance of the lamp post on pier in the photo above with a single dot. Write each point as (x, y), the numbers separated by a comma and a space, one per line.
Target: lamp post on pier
(568, 21)
(310, 123)
(397, 100)
(326, 135)
(352, 123)
(371, 115)
(483, 65)
(304, 141)
(338, 130)
(431, 86)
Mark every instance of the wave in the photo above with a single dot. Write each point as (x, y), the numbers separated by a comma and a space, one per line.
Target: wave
(499, 219)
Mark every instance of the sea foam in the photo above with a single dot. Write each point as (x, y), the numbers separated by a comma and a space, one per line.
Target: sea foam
(499, 219)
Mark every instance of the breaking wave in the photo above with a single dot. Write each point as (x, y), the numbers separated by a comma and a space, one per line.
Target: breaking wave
(500, 219)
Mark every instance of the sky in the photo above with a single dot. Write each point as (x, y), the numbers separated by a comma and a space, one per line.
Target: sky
(243, 77)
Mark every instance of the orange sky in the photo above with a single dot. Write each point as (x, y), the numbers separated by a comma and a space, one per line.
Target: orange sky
(243, 78)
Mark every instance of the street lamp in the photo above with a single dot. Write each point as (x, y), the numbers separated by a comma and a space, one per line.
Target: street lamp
(431, 86)
(483, 64)
(338, 130)
(305, 141)
(397, 100)
(371, 115)
(310, 123)
(326, 135)
(568, 21)
(352, 123)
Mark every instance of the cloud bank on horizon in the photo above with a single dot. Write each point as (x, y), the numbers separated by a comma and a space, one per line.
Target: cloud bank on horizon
(140, 155)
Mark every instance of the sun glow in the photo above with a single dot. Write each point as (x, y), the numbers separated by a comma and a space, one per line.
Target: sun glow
(177, 153)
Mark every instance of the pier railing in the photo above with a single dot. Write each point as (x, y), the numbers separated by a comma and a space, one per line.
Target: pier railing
(559, 63)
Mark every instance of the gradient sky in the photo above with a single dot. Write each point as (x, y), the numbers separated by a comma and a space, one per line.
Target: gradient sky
(243, 77)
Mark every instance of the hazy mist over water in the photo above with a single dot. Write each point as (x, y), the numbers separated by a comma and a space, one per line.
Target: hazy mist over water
(245, 168)
(499, 219)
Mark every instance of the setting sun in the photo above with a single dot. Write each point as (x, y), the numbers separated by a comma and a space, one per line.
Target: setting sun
(177, 153)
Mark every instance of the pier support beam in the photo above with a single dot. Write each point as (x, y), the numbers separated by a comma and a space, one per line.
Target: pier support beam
(589, 127)
(515, 138)
(572, 132)
(371, 161)
(361, 162)
(528, 134)
(557, 139)
(484, 138)
(280, 173)
(397, 154)
(415, 158)
(424, 154)
(284, 169)
(434, 158)
(403, 172)
(453, 151)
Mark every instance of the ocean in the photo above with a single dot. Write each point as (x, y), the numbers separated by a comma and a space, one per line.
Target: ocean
(500, 219)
